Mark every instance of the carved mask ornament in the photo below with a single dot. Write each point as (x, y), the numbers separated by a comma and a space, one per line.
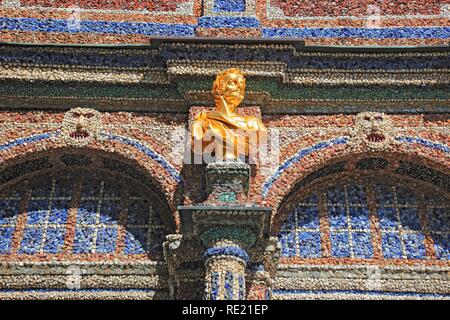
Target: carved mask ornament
(80, 126)
(373, 130)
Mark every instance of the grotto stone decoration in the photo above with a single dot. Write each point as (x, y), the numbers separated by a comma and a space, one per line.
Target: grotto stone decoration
(220, 247)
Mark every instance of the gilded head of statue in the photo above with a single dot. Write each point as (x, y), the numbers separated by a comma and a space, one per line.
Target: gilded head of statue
(230, 84)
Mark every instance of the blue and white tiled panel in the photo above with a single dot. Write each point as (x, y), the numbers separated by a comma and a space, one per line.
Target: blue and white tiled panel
(350, 230)
(401, 228)
(300, 234)
(47, 214)
(349, 222)
(97, 221)
(145, 230)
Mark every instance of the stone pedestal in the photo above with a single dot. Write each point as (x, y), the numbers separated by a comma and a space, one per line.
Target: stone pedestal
(227, 182)
(230, 234)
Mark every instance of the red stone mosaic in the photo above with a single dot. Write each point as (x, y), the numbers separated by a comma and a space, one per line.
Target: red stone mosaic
(154, 5)
(313, 8)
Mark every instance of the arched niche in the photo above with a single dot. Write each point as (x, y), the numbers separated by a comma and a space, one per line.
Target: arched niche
(72, 206)
(349, 217)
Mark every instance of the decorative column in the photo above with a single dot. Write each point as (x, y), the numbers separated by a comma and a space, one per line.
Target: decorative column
(226, 260)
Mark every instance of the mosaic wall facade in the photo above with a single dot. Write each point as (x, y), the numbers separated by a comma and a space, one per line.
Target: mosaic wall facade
(371, 22)
(97, 199)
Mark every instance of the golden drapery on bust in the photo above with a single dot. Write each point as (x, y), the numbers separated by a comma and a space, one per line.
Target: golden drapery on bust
(232, 134)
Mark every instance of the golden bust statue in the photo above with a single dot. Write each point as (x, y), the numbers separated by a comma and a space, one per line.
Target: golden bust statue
(232, 132)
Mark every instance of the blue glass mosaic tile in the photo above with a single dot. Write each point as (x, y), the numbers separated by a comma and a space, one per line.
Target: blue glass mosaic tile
(288, 244)
(296, 158)
(338, 217)
(106, 240)
(340, 245)
(308, 217)
(54, 240)
(228, 22)
(379, 33)
(98, 214)
(29, 139)
(409, 218)
(109, 213)
(442, 246)
(229, 6)
(414, 246)
(84, 240)
(241, 283)
(228, 286)
(215, 278)
(387, 217)
(426, 143)
(32, 241)
(135, 241)
(362, 245)
(398, 216)
(37, 212)
(58, 213)
(300, 234)
(150, 153)
(119, 27)
(309, 244)
(392, 246)
(290, 222)
(359, 217)
(6, 235)
(87, 212)
(226, 251)
(349, 221)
